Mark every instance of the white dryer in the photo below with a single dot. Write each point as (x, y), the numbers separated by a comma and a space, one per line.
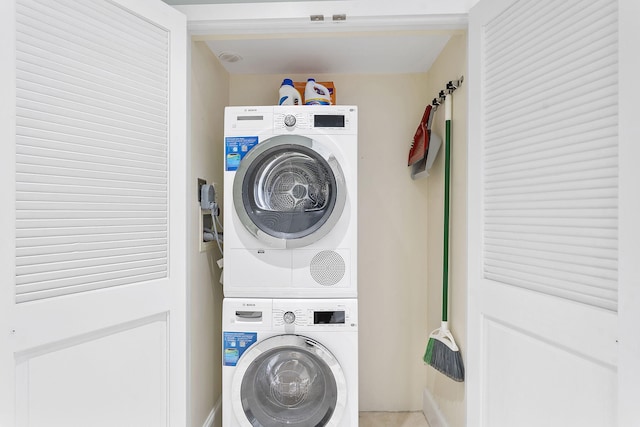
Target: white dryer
(290, 362)
(290, 202)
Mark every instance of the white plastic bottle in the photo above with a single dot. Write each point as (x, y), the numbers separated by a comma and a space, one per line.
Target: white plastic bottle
(316, 94)
(289, 95)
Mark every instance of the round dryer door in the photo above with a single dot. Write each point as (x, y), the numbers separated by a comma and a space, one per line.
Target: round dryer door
(288, 380)
(288, 191)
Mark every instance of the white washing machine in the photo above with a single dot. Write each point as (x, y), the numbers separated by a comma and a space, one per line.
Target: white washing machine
(290, 202)
(290, 362)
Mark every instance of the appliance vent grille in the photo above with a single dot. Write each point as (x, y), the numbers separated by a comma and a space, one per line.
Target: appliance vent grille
(327, 268)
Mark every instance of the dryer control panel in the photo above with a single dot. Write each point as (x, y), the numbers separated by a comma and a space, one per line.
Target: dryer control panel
(338, 120)
(308, 120)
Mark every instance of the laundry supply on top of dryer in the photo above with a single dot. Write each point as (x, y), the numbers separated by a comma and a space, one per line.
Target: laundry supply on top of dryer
(289, 95)
(316, 94)
(302, 86)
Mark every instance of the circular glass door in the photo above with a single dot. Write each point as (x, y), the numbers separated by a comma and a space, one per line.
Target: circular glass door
(287, 193)
(288, 380)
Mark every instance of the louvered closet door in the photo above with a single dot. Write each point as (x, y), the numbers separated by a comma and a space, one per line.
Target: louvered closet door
(543, 213)
(92, 297)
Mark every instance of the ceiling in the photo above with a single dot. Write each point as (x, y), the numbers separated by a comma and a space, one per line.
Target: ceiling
(306, 37)
(340, 53)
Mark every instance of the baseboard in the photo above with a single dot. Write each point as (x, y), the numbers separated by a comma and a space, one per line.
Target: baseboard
(431, 410)
(215, 416)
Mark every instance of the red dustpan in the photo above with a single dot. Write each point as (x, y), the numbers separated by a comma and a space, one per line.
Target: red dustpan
(420, 144)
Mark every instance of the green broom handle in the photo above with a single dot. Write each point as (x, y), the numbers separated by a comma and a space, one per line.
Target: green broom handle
(447, 175)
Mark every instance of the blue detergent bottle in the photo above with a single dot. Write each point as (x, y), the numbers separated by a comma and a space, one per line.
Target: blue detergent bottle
(289, 95)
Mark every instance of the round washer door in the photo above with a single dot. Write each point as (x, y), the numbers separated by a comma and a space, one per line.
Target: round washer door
(288, 380)
(288, 191)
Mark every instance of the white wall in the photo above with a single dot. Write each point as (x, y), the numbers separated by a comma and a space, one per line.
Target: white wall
(450, 65)
(392, 242)
(209, 96)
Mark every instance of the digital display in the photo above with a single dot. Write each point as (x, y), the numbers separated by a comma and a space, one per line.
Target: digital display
(328, 121)
(328, 317)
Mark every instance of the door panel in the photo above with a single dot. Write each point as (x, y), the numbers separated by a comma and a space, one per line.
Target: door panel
(97, 379)
(543, 214)
(68, 132)
(93, 214)
(548, 375)
(539, 364)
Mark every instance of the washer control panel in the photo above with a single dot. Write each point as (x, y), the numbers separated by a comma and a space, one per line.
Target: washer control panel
(290, 315)
(320, 314)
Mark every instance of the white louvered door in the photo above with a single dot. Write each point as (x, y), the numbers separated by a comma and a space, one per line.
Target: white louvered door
(92, 209)
(543, 213)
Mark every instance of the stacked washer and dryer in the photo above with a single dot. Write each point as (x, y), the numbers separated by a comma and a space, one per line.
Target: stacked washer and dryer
(290, 312)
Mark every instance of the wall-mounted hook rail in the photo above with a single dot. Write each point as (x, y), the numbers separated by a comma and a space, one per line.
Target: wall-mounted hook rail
(452, 85)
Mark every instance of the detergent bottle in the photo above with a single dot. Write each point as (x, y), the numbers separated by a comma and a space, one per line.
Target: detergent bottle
(316, 94)
(289, 95)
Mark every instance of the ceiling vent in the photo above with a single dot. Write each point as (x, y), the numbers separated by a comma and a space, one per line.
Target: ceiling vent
(229, 57)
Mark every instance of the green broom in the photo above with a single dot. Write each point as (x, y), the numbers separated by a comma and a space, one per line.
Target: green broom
(442, 352)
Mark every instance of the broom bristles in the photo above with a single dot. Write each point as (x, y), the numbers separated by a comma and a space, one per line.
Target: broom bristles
(443, 354)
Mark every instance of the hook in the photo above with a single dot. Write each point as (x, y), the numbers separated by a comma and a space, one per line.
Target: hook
(454, 84)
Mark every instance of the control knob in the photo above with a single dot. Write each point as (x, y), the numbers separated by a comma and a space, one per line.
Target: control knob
(290, 120)
(289, 317)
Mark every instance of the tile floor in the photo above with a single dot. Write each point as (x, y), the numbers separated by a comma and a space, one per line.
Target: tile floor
(392, 419)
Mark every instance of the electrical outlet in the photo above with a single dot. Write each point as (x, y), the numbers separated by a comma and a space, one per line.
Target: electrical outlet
(201, 182)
